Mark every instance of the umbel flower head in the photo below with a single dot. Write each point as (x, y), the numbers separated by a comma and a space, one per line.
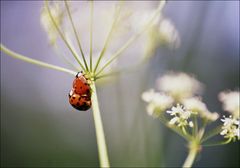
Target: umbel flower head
(100, 31)
(177, 88)
(230, 100)
(179, 85)
(180, 116)
(230, 128)
(157, 102)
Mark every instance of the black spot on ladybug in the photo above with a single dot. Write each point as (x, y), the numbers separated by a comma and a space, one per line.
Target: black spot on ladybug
(74, 97)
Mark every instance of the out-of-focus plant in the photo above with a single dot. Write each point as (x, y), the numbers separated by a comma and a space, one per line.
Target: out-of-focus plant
(96, 38)
(178, 106)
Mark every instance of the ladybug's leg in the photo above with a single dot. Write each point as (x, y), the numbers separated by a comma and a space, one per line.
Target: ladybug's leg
(71, 93)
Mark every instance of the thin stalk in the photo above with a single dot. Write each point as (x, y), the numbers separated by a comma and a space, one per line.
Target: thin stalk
(211, 133)
(34, 61)
(177, 130)
(62, 36)
(113, 73)
(102, 148)
(218, 143)
(91, 34)
(184, 130)
(76, 34)
(133, 38)
(195, 126)
(120, 71)
(115, 19)
(190, 158)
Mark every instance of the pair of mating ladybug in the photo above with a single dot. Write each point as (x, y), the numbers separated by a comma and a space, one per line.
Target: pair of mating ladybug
(80, 94)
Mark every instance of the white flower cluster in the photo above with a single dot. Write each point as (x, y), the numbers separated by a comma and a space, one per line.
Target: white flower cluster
(157, 102)
(180, 116)
(179, 85)
(230, 128)
(230, 100)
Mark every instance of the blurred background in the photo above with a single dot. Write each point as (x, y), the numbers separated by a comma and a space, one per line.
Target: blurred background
(40, 128)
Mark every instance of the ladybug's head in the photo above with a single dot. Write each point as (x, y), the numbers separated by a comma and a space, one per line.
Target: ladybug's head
(79, 74)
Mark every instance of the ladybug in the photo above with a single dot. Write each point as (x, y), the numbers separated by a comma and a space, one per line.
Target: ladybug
(80, 102)
(81, 84)
(80, 94)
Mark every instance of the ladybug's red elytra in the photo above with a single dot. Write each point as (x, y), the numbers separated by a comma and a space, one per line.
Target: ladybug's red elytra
(81, 84)
(80, 94)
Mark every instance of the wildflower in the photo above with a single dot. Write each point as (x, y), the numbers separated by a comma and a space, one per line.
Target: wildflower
(158, 102)
(179, 85)
(230, 128)
(195, 105)
(180, 116)
(230, 100)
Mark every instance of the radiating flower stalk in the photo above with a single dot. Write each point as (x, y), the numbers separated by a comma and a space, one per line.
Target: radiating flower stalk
(53, 17)
(178, 106)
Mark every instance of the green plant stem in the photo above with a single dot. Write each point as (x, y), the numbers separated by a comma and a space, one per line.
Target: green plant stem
(133, 38)
(63, 37)
(191, 157)
(76, 34)
(34, 61)
(102, 148)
